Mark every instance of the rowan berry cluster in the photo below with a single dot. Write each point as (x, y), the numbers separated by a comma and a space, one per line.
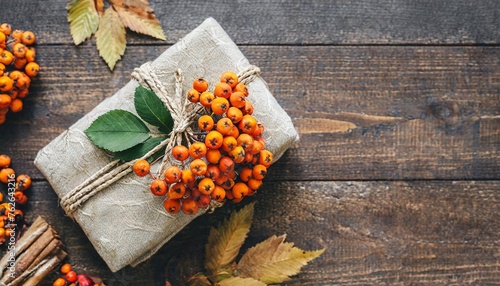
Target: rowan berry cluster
(17, 67)
(71, 278)
(11, 216)
(229, 163)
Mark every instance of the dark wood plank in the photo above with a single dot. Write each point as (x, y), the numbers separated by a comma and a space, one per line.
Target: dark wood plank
(295, 22)
(362, 112)
(414, 232)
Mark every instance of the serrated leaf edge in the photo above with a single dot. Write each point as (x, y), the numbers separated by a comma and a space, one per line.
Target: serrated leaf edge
(136, 23)
(88, 21)
(111, 51)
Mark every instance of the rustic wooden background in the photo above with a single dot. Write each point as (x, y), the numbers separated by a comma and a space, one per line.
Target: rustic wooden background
(398, 106)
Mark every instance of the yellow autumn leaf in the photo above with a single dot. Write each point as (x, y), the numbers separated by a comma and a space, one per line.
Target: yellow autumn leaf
(238, 281)
(274, 260)
(110, 37)
(225, 242)
(99, 5)
(83, 19)
(139, 17)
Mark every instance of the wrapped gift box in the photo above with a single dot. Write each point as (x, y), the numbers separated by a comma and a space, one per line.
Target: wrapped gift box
(124, 221)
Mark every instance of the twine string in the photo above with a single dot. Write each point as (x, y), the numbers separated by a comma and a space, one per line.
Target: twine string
(183, 112)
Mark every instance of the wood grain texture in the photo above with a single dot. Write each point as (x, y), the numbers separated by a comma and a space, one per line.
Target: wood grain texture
(362, 112)
(376, 233)
(294, 22)
(398, 106)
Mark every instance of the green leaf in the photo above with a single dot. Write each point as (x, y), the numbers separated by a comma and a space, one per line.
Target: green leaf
(273, 261)
(83, 19)
(152, 110)
(225, 242)
(141, 149)
(110, 38)
(141, 20)
(117, 130)
(238, 281)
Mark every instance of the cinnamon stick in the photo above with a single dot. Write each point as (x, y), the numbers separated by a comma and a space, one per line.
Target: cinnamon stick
(45, 268)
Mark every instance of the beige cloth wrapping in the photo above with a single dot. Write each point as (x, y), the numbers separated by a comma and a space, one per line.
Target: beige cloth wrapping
(125, 222)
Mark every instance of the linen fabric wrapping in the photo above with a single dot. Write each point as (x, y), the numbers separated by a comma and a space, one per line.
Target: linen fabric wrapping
(125, 222)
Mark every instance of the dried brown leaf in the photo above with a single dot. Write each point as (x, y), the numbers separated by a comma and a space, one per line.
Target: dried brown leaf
(83, 19)
(99, 6)
(274, 261)
(110, 38)
(238, 281)
(139, 17)
(225, 242)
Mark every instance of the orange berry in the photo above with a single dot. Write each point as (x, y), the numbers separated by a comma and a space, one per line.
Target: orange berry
(197, 150)
(219, 105)
(206, 122)
(6, 28)
(224, 125)
(213, 140)
(20, 63)
(266, 158)
(23, 182)
(218, 194)
(187, 177)
(3, 118)
(242, 88)
(240, 189)
(229, 143)
(22, 93)
(20, 197)
(6, 175)
(203, 201)
(259, 130)
(246, 174)
(6, 83)
(6, 58)
(30, 55)
(32, 69)
(230, 78)
(213, 172)
(193, 95)
(234, 132)
(246, 141)
(226, 164)
(19, 50)
(172, 206)
(28, 38)
(213, 155)
(158, 187)
(237, 99)
(206, 186)
(200, 84)
(71, 276)
(259, 171)
(189, 206)
(180, 152)
(257, 146)
(172, 174)
(237, 154)
(234, 114)
(66, 268)
(247, 124)
(141, 168)
(222, 89)
(17, 34)
(248, 109)
(225, 181)
(5, 100)
(59, 282)
(16, 105)
(254, 184)
(4, 161)
(248, 157)
(229, 195)
(198, 167)
(2, 67)
(206, 98)
(177, 191)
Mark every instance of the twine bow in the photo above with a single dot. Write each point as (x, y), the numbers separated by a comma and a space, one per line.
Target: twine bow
(184, 114)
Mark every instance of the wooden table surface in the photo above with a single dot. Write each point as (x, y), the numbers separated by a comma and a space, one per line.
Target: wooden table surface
(397, 103)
